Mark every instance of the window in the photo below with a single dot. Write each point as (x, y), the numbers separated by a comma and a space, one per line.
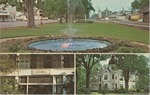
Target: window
(105, 77)
(112, 85)
(40, 79)
(99, 86)
(121, 85)
(113, 76)
(23, 79)
(59, 79)
(99, 79)
(116, 77)
(121, 79)
(116, 85)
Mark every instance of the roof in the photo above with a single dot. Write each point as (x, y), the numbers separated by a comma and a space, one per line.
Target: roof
(112, 61)
(144, 10)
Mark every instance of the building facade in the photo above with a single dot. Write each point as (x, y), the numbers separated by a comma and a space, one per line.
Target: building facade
(7, 13)
(112, 79)
(44, 74)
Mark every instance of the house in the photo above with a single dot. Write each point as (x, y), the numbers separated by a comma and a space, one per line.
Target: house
(7, 12)
(111, 78)
(44, 73)
(145, 13)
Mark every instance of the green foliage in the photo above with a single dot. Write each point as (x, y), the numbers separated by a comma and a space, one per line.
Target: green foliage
(104, 90)
(142, 83)
(138, 4)
(8, 86)
(86, 66)
(7, 64)
(121, 90)
(132, 64)
(11, 2)
(129, 50)
(15, 47)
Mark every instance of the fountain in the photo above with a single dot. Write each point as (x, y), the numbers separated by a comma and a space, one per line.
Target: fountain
(70, 43)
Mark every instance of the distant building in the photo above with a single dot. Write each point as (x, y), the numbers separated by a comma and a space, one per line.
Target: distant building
(106, 13)
(145, 13)
(121, 17)
(44, 73)
(38, 14)
(7, 12)
(112, 78)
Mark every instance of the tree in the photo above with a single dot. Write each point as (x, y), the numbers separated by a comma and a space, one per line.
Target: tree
(8, 65)
(30, 13)
(88, 7)
(8, 86)
(132, 64)
(88, 62)
(142, 83)
(11, 2)
(138, 4)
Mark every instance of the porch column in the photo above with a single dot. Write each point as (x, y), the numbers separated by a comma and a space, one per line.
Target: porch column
(64, 82)
(27, 91)
(54, 85)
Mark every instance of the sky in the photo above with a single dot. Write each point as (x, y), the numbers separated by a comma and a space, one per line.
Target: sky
(113, 5)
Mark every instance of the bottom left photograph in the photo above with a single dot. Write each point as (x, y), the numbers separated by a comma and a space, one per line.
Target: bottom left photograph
(37, 74)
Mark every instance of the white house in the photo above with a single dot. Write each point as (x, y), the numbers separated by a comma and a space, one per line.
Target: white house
(7, 12)
(111, 78)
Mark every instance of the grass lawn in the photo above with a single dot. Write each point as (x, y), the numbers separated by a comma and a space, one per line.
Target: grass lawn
(94, 29)
(95, 93)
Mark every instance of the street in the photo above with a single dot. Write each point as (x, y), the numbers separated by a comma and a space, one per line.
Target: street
(23, 23)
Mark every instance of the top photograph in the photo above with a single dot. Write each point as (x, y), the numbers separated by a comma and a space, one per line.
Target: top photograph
(74, 26)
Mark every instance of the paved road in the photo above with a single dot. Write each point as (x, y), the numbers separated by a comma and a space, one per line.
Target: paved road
(141, 25)
(146, 25)
(22, 23)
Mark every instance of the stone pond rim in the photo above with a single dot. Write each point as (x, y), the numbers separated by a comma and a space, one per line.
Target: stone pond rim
(78, 44)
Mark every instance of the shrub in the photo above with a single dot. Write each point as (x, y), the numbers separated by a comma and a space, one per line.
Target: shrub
(15, 47)
(129, 50)
(83, 21)
(89, 21)
(121, 90)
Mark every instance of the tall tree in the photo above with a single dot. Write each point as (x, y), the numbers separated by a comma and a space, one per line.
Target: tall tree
(132, 64)
(8, 65)
(138, 4)
(88, 62)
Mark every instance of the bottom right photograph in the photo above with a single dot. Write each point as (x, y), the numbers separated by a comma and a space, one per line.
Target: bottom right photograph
(99, 74)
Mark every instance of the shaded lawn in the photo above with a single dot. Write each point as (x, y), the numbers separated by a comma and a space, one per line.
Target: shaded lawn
(94, 29)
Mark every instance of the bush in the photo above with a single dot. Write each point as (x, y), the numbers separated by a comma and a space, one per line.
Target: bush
(90, 21)
(83, 21)
(104, 90)
(121, 90)
(129, 50)
(15, 47)
(83, 91)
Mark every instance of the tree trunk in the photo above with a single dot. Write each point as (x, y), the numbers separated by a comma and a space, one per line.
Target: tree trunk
(87, 78)
(60, 21)
(126, 78)
(66, 18)
(30, 12)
